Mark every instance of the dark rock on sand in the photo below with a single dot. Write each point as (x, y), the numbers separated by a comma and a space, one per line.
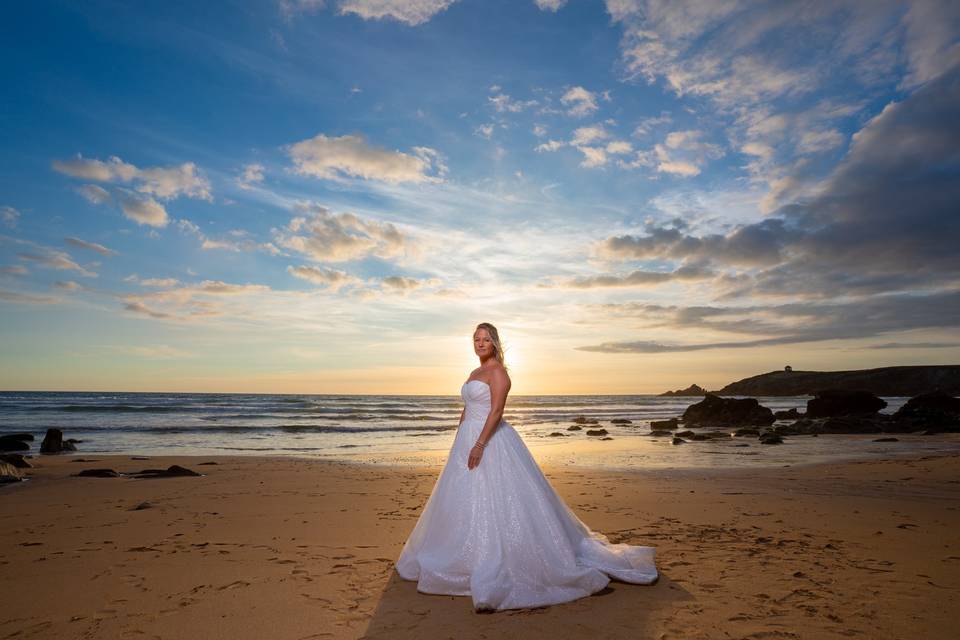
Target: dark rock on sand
(172, 471)
(141, 506)
(53, 442)
(770, 438)
(677, 440)
(727, 412)
(16, 459)
(887, 440)
(12, 443)
(557, 434)
(672, 423)
(747, 431)
(692, 390)
(584, 420)
(607, 438)
(621, 421)
(25, 437)
(596, 432)
(574, 428)
(684, 434)
(139, 457)
(935, 410)
(9, 473)
(98, 473)
(699, 437)
(203, 463)
(854, 424)
(840, 402)
(788, 414)
(660, 433)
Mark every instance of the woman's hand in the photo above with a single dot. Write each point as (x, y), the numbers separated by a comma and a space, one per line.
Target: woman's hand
(476, 453)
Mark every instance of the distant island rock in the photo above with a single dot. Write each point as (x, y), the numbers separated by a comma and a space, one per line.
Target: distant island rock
(885, 381)
(692, 390)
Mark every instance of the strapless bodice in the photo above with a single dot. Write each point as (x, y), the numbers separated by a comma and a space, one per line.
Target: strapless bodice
(476, 398)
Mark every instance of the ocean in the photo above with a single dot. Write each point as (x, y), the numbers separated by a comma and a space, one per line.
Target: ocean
(417, 430)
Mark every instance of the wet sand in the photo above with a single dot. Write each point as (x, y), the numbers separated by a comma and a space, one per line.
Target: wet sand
(287, 548)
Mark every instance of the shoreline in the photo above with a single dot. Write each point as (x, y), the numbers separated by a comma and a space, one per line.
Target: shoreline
(298, 548)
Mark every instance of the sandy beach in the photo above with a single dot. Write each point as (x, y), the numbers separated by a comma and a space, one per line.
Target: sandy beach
(288, 548)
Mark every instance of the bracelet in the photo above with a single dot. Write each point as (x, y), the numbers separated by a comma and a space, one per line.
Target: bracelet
(480, 444)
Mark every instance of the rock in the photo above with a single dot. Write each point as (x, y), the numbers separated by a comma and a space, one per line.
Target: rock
(98, 473)
(770, 438)
(788, 414)
(692, 390)
(557, 434)
(203, 463)
(52, 442)
(677, 440)
(9, 473)
(699, 437)
(596, 432)
(26, 437)
(838, 402)
(141, 506)
(574, 428)
(684, 434)
(607, 438)
(727, 412)
(11, 443)
(172, 471)
(16, 459)
(906, 381)
(741, 444)
(660, 433)
(747, 431)
(887, 440)
(621, 421)
(672, 423)
(583, 420)
(853, 424)
(935, 410)
(139, 457)
(69, 446)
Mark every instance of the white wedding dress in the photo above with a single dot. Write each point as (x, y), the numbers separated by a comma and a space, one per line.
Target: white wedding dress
(501, 534)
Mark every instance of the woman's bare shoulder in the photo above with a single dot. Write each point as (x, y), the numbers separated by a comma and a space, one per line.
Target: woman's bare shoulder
(499, 373)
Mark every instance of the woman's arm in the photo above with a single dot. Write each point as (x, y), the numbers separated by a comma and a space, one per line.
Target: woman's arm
(499, 388)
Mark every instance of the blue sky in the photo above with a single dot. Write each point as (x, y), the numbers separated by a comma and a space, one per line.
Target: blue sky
(327, 196)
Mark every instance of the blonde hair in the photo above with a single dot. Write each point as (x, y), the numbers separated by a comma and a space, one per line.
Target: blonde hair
(495, 337)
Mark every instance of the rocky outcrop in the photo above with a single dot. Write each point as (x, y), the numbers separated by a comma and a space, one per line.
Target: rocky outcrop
(621, 421)
(53, 442)
(936, 410)
(839, 402)
(672, 423)
(13, 442)
(885, 381)
(788, 414)
(727, 412)
(692, 390)
(596, 432)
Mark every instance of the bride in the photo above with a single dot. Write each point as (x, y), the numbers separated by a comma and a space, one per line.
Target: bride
(493, 527)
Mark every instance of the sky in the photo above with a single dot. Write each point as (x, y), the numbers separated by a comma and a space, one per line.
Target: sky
(308, 196)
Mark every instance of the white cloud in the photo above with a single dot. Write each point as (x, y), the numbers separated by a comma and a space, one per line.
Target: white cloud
(53, 259)
(250, 175)
(683, 153)
(549, 145)
(14, 270)
(410, 12)
(593, 157)
(404, 285)
(647, 125)
(144, 210)
(9, 216)
(504, 104)
(92, 246)
(351, 156)
(579, 102)
(163, 283)
(619, 147)
(817, 141)
(67, 285)
(539, 130)
(332, 279)
(94, 194)
(588, 135)
(331, 237)
(550, 5)
(484, 131)
(161, 182)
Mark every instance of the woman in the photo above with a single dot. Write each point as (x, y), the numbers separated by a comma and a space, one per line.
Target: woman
(493, 527)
